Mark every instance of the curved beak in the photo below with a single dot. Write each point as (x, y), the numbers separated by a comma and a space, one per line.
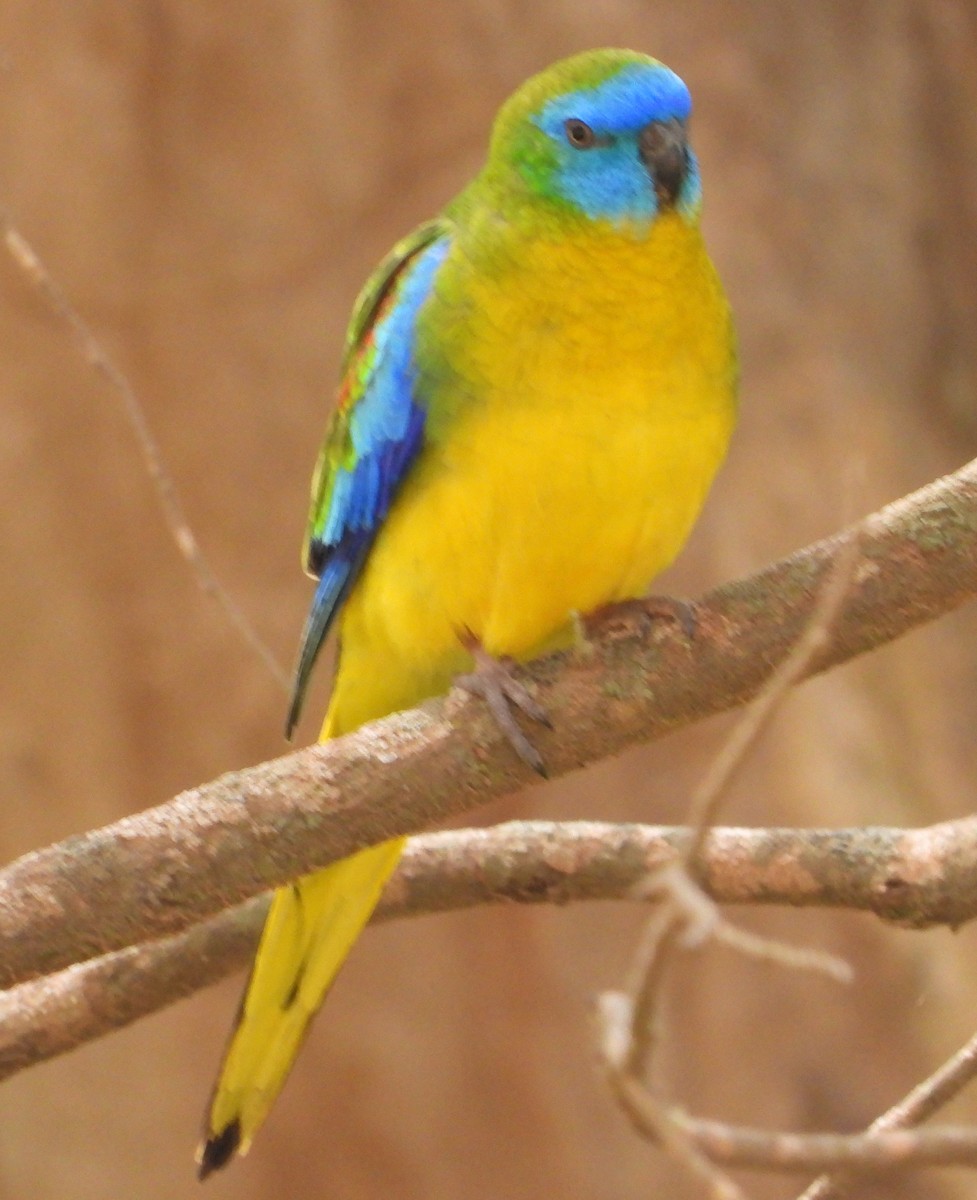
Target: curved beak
(664, 150)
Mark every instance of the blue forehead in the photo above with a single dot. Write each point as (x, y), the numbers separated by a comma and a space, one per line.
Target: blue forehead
(624, 103)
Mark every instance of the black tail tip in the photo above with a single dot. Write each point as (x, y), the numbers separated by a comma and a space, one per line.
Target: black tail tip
(218, 1150)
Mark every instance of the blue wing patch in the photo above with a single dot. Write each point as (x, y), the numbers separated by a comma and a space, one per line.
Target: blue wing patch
(375, 436)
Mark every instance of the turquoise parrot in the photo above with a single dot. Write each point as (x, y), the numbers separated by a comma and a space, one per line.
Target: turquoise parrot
(537, 389)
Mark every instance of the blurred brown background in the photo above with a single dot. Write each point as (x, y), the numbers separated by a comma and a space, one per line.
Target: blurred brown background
(210, 183)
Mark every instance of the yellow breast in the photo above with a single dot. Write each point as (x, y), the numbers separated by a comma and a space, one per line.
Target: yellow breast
(581, 400)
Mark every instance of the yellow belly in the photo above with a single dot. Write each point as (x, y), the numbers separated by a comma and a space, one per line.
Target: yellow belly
(566, 477)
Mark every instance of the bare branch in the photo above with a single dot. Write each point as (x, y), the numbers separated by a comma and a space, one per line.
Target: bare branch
(688, 917)
(815, 636)
(661, 1122)
(870, 1153)
(168, 868)
(650, 971)
(782, 954)
(95, 355)
(928, 1097)
(525, 862)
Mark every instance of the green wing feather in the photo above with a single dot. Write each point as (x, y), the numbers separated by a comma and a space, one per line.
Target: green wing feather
(337, 448)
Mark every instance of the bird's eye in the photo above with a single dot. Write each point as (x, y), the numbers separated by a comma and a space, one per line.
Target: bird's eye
(579, 134)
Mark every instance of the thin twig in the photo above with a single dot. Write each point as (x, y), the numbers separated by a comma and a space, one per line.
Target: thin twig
(663, 1123)
(869, 1153)
(802, 1153)
(29, 262)
(815, 636)
(927, 1098)
(686, 907)
(794, 958)
(649, 970)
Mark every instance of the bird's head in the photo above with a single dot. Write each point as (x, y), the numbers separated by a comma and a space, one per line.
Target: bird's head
(603, 135)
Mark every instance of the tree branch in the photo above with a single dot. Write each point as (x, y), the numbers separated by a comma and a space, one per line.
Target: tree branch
(915, 877)
(868, 1153)
(163, 870)
(927, 1098)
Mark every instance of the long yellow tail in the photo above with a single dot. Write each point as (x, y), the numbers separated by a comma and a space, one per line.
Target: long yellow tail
(311, 927)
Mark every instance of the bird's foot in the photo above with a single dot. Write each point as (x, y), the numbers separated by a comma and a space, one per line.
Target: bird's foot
(683, 613)
(494, 681)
